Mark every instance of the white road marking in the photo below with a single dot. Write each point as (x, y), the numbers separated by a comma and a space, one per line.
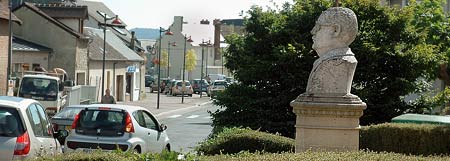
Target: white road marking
(174, 116)
(207, 117)
(193, 116)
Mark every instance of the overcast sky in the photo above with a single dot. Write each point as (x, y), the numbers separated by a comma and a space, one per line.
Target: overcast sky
(160, 13)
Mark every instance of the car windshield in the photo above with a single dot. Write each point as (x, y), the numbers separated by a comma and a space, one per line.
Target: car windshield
(101, 123)
(39, 89)
(68, 113)
(10, 122)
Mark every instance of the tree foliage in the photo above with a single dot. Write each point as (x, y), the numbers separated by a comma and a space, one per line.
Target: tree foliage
(164, 58)
(273, 60)
(191, 60)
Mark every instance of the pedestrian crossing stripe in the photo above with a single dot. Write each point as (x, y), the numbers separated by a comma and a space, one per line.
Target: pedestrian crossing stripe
(193, 116)
(174, 116)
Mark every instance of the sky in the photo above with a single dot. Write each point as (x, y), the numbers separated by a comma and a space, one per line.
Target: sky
(160, 13)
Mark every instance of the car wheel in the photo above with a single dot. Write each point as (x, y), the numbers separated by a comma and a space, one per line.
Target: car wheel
(167, 147)
(137, 150)
(190, 95)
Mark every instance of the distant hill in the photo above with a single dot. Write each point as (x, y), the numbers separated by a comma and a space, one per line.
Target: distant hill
(146, 33)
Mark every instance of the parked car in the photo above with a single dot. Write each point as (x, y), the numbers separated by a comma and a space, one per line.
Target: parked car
(63, 120)
(25, 130)
(149, 80)
(196, 83)
(117, 126)
(180, 88)
(168, 87)
(216, 87)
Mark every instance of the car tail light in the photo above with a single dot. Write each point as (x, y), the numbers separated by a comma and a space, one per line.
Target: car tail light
(22, 144)
(75, 121)
(129, 128)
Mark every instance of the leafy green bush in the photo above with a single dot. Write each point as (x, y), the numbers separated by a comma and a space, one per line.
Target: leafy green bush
(235, 140)
(329, 156)
(417, 139)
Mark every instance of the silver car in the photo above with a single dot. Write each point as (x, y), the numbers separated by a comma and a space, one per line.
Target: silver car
(25, 130)
(116, 126)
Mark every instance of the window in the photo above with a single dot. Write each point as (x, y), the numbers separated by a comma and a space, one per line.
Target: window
(38, 121)
(144, 119)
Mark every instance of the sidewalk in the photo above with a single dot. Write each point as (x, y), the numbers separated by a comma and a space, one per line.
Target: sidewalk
(169, 104)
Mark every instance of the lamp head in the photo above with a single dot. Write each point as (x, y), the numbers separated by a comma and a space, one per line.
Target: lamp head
(116, 21)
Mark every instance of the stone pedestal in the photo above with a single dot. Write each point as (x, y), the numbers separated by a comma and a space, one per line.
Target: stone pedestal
(327, 123)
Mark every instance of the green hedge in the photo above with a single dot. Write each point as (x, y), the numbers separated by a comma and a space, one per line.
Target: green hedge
(113, 156)
(328, 156)
(417, 139)
(235, 140)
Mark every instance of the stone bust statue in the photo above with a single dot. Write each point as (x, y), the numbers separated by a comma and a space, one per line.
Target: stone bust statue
(332, 73)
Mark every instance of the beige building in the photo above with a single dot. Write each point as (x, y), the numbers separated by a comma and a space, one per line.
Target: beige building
(69, 46)
(27, 56)
(4, 45)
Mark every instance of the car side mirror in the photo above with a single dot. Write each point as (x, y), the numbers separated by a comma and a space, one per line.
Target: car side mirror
(163, 127)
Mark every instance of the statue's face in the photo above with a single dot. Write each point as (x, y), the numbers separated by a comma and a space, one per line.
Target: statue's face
(323, 40)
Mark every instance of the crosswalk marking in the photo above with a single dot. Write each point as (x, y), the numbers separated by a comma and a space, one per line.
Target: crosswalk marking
(174, 116)
(193, 116)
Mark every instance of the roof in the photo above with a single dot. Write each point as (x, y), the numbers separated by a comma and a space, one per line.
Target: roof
(94, 6)
(421, 118)
(4, 12)
(64, 11)
(24, 45)
(200, 32)
(116, 49)
(50, 19)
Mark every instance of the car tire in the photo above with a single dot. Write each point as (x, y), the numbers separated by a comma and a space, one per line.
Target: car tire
(167, 147)
(190, 95)
(137, 149)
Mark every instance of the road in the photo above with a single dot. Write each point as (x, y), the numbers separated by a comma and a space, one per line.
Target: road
(186, 129)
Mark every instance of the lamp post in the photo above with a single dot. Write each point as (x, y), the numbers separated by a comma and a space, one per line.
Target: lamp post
(186, 39)
(168, 56)
(203, 44)
(161, 30)
(115, 23)
(8, 69)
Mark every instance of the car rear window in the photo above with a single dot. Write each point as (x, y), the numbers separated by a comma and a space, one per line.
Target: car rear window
(187, 84)
(101, 123)
(68, 113)
(10, 122)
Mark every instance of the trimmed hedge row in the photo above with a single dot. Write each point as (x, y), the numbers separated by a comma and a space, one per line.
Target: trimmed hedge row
(328, 156)
(234, 140)
(417, 139)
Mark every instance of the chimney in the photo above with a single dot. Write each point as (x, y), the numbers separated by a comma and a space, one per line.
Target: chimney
(133, 40)
(217, 27)
(177, 25)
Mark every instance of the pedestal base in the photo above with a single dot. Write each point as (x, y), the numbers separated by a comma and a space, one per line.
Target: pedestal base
(327, 123)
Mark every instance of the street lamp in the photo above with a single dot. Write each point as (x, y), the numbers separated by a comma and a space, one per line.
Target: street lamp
(115, 23)
(167, 32)
(168, 56)
(186, 39)
(203, 44)
(8, 69)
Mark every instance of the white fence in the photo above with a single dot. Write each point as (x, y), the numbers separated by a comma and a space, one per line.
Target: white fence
(80, 94)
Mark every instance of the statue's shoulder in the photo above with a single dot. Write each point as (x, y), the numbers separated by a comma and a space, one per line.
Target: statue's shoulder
(340, 56)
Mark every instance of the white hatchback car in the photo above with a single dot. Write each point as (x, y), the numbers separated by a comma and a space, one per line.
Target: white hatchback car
(25, 130)
(116, 126)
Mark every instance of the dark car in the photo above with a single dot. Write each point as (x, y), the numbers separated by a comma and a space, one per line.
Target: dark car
(64, 118)
(196, 83)
(149, 80)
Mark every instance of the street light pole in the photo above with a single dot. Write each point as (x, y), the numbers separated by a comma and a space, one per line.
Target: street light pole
(203, 44)
(8, 69)
(161, 30)
(183, 84)
(115, 23)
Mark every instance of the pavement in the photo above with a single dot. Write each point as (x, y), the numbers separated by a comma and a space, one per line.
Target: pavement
(169, 105)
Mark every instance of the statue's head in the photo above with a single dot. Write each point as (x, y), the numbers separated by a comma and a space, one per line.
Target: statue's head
(336, 28)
